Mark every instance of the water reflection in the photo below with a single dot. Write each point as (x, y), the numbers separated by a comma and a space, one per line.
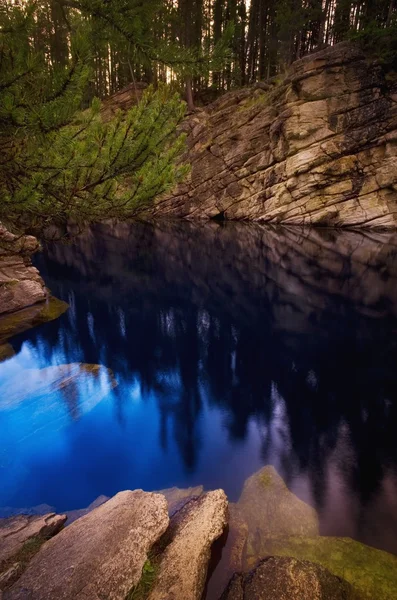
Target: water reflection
(232, 346)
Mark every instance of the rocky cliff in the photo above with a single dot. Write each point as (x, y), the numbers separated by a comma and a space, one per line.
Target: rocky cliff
(318, 147)
(20, 282)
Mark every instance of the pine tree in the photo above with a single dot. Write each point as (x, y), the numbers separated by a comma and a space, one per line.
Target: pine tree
(58, 162)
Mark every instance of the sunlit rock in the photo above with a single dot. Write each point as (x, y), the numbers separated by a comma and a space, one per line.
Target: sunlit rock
(318, 148)
(270, 509)
(282, 578)
(184, 562)
(100, 555)
(372, 572)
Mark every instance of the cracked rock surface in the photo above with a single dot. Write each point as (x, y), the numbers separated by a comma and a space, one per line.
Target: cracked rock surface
(20, 282)
(318, 148)
(101, 555)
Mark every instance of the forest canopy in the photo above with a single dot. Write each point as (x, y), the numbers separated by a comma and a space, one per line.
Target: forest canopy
(60, 159)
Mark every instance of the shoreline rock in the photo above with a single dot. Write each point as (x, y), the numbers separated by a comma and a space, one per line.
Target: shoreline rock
(183, 564)
(128, 547)
(25, 301)
(102, 554)
(270, 508)
(20, 282)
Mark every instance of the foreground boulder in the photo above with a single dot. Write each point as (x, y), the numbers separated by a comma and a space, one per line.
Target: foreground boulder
(270, 509)
(20, 537)
(318, 148)
(183, 565)
(175, 497)
(101, 555)
(281, 578)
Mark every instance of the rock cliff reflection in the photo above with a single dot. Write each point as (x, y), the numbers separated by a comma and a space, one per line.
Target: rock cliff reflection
(232, 347)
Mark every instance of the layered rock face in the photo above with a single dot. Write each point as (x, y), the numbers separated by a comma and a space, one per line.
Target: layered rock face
(318, 148)
(20, 282)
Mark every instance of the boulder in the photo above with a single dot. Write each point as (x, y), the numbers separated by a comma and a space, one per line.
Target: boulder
(20, 537)
(283, 578)
(101, 555)
(270, 509)
(175, 497)
(182, 569)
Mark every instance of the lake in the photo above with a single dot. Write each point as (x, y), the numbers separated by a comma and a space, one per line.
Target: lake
(223, 348)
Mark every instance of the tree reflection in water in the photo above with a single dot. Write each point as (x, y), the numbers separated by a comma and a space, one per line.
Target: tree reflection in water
(287, 336)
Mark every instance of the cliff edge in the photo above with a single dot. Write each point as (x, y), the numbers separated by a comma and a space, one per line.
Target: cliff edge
(318, 147)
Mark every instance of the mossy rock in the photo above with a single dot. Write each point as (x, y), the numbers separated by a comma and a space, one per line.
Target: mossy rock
(22, 320)
(270, 509)
(142, 589)
(371, 572)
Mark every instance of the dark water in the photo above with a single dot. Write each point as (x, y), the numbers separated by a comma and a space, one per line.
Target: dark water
(233, 347)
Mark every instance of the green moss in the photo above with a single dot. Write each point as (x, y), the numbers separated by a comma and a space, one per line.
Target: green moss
(256, 100)
(22, 559)
(372, 572)
(142, 589)
(32, 316)
(266, 479)
(29, 549)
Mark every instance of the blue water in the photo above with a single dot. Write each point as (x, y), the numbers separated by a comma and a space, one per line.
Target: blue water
(229, 347)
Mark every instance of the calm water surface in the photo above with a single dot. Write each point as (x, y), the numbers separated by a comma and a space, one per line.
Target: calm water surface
(232, 347)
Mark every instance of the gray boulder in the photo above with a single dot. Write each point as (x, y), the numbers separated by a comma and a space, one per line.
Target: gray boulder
(101, 555)
(183, 565)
